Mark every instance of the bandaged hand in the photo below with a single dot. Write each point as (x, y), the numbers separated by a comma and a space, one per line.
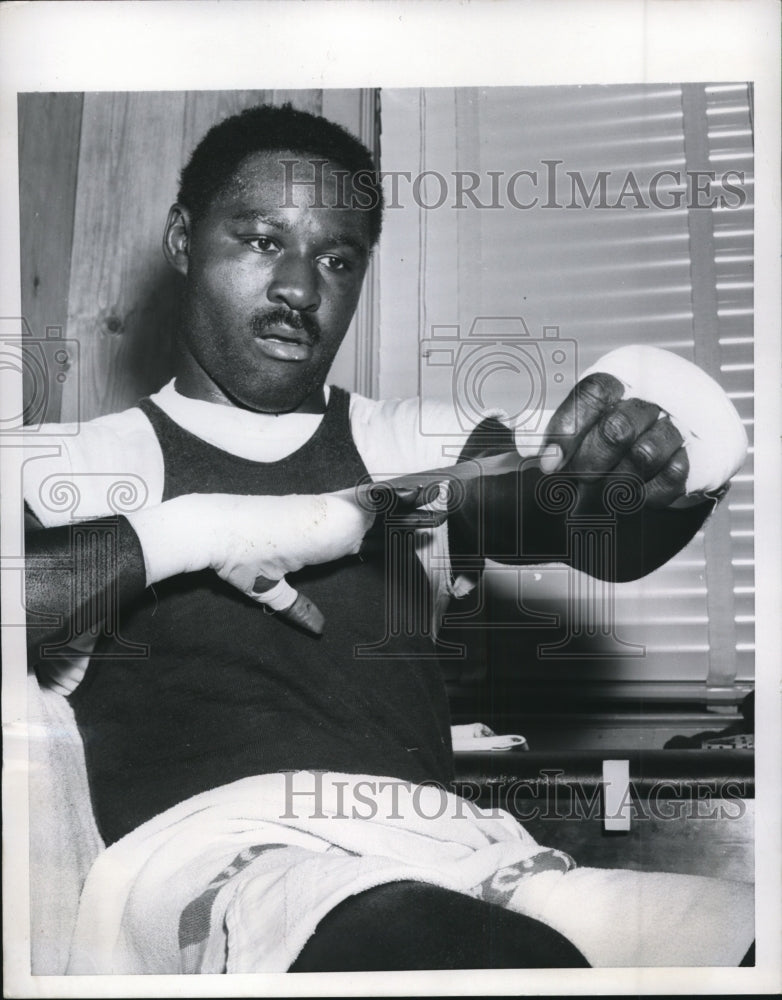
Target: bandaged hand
(651, 414)
(246, 537)
(644, 445)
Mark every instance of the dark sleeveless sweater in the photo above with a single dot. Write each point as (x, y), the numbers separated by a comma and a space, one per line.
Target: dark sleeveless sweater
(228, 690)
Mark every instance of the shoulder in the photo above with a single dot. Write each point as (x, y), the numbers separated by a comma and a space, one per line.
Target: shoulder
(108, 465)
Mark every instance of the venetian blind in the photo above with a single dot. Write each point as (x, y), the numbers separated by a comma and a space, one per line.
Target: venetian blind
(606, 216)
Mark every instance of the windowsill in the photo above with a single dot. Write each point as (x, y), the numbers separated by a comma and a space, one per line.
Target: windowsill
(558, 731)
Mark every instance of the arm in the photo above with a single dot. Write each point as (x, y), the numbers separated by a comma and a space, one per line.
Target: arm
(74, 571)
(503, 520)
(69, 581)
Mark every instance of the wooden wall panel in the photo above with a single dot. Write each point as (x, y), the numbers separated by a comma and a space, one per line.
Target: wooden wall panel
(49, 127)
(205, 108)
(122, 299)
(304, 100)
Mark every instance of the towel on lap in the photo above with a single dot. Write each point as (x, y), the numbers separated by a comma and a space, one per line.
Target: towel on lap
(237, 879)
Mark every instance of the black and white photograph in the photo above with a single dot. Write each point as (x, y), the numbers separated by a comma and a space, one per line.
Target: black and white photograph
(390, 503)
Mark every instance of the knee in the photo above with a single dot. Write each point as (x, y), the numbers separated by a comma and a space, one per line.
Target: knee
(405, 901)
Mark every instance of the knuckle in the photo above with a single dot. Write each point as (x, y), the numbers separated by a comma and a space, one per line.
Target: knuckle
(589, 392)
(676, 470)
(645, 410)
(616, 428)
(644, 455)
(599, 390)
(672, 432)
(602, 386)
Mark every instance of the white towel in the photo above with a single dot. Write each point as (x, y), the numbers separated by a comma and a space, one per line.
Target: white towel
(64, 839)
(248, 870)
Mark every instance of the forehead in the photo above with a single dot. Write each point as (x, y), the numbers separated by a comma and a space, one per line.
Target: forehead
(284, 181)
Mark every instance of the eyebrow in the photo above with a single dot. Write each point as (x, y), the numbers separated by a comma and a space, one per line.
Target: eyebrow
(256, 215)
(346, 240)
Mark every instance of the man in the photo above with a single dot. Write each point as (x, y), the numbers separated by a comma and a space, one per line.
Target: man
(250, 466)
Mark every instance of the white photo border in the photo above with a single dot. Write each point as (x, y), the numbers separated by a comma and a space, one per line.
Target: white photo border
(75, 46)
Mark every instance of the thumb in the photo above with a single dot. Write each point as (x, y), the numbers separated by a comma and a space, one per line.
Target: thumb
(288, 603)
(550, 456)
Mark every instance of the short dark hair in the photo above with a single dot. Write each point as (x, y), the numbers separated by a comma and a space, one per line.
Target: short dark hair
(218, 156)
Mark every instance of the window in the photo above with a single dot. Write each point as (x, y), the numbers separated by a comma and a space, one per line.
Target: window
(611, 215)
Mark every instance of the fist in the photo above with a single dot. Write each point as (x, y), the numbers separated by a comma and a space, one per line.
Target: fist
(649, 412)
(597, 432)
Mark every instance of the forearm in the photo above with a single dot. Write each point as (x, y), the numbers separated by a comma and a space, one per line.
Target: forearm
(642, 541)
(80, 573)
(508, 522)
(526, 518)
(76, 577)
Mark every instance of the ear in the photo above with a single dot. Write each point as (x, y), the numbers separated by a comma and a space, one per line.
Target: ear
(176, 238)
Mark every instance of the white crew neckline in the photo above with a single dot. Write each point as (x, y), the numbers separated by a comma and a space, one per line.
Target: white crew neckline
(260, 437)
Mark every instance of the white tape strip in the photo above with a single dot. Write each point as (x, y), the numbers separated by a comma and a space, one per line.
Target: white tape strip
(279, 597)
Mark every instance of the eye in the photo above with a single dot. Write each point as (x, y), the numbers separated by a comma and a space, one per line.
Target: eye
(261, 244)
(333, 263)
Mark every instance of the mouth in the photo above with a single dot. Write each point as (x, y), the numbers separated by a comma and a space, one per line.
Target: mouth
(283, 343)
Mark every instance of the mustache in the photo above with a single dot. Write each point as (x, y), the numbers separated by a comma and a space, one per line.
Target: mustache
(281, 316)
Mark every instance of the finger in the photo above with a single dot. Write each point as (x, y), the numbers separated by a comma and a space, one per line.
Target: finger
(613, 435)
(670, 483)
(385, 497)
(277, 594)
(424, 506)
(290, 604)
(306, 614)
(582, 408)
(407, 497)
(651, 451)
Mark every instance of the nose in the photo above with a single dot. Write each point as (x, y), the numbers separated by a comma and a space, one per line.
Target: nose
(295, 284)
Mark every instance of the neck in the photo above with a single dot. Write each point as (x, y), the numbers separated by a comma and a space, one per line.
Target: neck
(209, 392)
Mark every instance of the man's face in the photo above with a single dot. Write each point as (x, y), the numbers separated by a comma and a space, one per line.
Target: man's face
(272, 283)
